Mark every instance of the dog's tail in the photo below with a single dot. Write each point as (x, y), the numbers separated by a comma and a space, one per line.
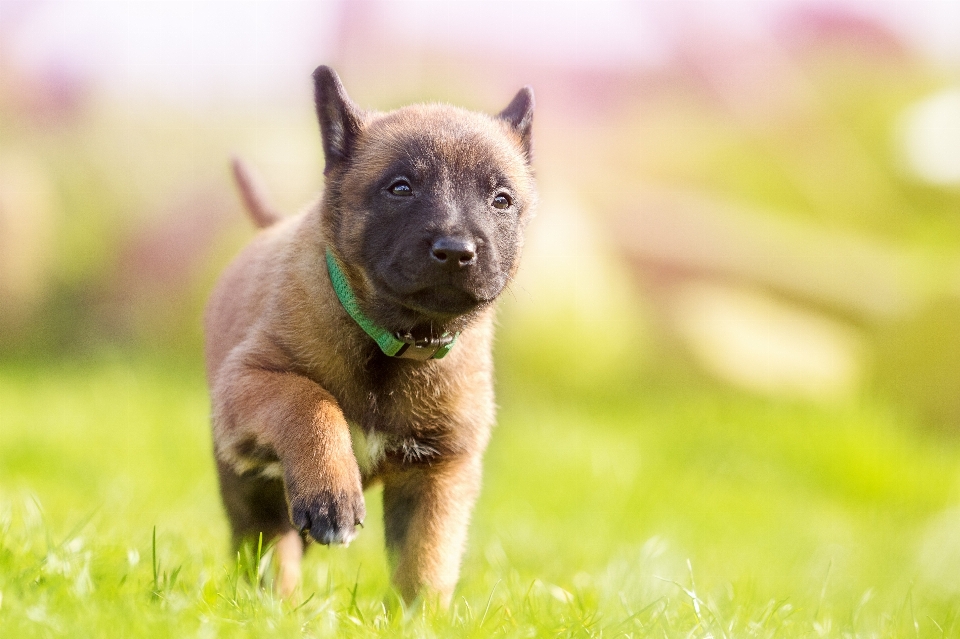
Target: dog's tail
(251, 190)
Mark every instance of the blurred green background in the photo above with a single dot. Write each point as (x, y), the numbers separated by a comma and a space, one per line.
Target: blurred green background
(748, 247)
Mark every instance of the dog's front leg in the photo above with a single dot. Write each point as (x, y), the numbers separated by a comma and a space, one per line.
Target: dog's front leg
(426, 513)
(301, 423)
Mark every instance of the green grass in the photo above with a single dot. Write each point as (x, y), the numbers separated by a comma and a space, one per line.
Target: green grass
(667, 509)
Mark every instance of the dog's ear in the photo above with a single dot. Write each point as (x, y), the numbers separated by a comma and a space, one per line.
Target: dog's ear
(340, 119)
(519, 115)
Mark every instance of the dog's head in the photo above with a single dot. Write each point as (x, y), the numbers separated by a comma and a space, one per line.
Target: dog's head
(425, 206)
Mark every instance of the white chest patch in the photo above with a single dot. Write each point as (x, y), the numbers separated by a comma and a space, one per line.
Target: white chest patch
(368, 449)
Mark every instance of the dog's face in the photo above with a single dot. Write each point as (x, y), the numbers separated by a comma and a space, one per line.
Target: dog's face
(425, 205)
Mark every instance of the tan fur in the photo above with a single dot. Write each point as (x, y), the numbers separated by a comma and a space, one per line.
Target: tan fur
(289, 551)
(289, 378)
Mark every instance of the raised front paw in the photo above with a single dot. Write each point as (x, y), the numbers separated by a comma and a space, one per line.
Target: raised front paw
(328, 516)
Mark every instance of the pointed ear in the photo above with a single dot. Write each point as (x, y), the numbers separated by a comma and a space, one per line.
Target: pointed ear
(340, 119)
(519, 115)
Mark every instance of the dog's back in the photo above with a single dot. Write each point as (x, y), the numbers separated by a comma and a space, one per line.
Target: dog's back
(239, 299)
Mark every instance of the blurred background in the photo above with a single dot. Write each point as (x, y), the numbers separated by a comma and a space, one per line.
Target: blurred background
(767, 193)
(738, 315)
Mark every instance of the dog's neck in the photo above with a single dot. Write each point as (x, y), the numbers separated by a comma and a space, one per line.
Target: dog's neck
(408, 345)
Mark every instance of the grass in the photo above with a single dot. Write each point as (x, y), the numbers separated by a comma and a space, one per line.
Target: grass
(666, 509)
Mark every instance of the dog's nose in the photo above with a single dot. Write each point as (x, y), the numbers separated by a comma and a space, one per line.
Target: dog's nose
(454, 252)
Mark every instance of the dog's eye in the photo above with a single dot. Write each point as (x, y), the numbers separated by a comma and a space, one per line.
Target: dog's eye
(502, 201)
(401, 187)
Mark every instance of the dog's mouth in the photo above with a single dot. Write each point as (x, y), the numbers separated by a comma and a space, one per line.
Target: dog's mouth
(442, 301)
(437, 303)
(425, 305)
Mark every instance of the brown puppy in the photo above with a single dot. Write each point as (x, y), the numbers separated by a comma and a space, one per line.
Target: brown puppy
(418, 231)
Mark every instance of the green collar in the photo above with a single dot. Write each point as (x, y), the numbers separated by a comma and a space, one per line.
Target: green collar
(392, 344)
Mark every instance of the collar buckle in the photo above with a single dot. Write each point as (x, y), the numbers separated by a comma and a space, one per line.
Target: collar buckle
(424, 348)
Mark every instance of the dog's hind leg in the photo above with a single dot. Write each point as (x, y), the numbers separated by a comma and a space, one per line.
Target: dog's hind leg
(257, 505)
(289, 553)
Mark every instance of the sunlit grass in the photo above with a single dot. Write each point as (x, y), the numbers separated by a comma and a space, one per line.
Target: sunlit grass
(639, 509)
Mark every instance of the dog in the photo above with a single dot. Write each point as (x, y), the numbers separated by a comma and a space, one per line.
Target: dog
(351, 344)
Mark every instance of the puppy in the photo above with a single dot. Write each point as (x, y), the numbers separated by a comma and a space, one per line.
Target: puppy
(351, 344)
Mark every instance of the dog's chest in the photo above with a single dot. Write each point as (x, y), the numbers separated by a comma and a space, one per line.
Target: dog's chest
(396, 398)
(400, 431)
(400, 411)
(403, 422)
